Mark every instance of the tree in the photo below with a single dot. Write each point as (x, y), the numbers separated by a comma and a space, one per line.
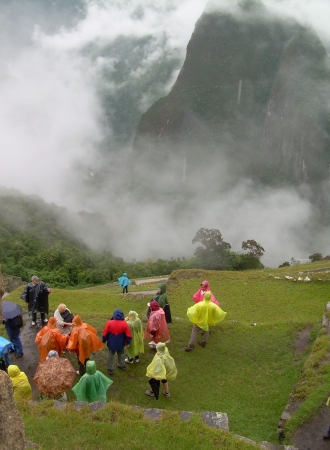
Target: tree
(316, 257)
(255, 249)
(215, 251)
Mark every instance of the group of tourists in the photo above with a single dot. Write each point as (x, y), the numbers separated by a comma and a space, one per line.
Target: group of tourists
(124, 337)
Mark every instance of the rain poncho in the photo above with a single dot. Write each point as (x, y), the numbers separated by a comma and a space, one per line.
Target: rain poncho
(124, 281)
(162, 367)
(157, 328)
(136, 346)
(205, 313)
(199, 295)
(83, 339)
(162, 300)
(36, 296)
(21, 385)
(50, 338)
(93, 385)
(161, 296)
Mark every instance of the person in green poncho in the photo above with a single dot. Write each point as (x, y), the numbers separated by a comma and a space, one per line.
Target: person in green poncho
(137, 344)
(92, 386)
(203, 315)
(162, 300)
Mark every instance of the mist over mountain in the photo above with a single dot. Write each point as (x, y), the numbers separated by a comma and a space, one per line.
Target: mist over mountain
(125, 112)
(250, 102)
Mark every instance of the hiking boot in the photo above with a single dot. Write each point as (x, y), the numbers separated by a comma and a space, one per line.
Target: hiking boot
(202, 343)
(326, 436)
(121, 367)
(20, 355)
(129, 361)
(188, 348)
(110, 372)
(33, 324)
(167, 394)
(150, 393)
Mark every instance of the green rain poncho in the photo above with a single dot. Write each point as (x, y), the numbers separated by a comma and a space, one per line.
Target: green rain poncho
(92, 386)
(162, 367)
(161, 296)
(205, 313)
(137, 345)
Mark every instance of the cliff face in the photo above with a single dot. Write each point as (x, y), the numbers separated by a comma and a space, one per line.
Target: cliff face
(295, 146)
(248, 101)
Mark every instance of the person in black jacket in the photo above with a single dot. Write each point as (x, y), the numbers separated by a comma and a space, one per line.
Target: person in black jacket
(13, 328)
(35, 295)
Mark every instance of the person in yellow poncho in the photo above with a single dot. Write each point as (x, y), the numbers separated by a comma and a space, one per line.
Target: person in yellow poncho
(137, 344)
(161, 369)
(203, 315)
(21, 385)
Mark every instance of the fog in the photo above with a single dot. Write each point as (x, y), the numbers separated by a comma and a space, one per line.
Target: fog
(61, 140)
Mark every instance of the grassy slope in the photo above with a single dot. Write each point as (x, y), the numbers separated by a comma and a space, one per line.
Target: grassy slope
(246, 371)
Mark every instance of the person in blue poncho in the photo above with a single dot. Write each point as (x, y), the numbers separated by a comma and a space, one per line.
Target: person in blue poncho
(124, 282)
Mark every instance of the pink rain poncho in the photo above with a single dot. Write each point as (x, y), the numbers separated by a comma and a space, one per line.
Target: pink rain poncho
(199, 295)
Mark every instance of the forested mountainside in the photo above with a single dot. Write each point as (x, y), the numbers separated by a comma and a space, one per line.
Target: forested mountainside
(41, 238)
(248, 102)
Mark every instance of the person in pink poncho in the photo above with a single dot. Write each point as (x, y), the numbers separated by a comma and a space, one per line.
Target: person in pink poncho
(199, 295)
(156, 328)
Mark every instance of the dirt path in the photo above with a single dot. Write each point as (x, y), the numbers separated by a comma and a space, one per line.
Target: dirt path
(309, 436)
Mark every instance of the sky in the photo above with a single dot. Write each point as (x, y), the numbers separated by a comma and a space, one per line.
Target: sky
(52, 128)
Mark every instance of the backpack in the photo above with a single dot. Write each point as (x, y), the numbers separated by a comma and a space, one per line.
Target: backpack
(19, 321)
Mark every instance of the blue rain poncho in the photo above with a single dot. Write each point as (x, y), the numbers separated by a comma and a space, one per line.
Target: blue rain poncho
(92, 386)
(124, 281)
(162, 367)
(205, 313)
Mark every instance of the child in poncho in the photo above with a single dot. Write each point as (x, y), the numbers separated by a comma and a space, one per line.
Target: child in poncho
(203, 315)
(93, 386)
(161, 369)
(137, 345)
(21, 385)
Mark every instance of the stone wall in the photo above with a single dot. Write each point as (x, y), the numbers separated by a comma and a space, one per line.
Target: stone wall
(11, 422)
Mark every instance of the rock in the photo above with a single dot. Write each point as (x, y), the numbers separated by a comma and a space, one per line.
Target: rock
(216, 419)
(11, 422)
(153, 413)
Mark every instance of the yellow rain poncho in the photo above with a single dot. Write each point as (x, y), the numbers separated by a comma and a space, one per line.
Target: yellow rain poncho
(162, 367)
(137, 344)
(21, 385)
(205, 314)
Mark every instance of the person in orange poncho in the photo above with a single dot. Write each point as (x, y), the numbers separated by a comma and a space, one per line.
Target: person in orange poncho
(50, 338)
(156, 328)
(83, 341)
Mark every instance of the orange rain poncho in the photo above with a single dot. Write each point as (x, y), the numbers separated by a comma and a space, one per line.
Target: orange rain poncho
(50, 338)
(205, 313)
(157, 328)
(83, 339)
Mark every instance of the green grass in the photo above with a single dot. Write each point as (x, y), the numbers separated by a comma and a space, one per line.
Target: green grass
(117, 426)
(246, 371)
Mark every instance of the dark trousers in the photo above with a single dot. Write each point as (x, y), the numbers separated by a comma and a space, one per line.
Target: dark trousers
(125, 290)
(34, 317)
(82, 367)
